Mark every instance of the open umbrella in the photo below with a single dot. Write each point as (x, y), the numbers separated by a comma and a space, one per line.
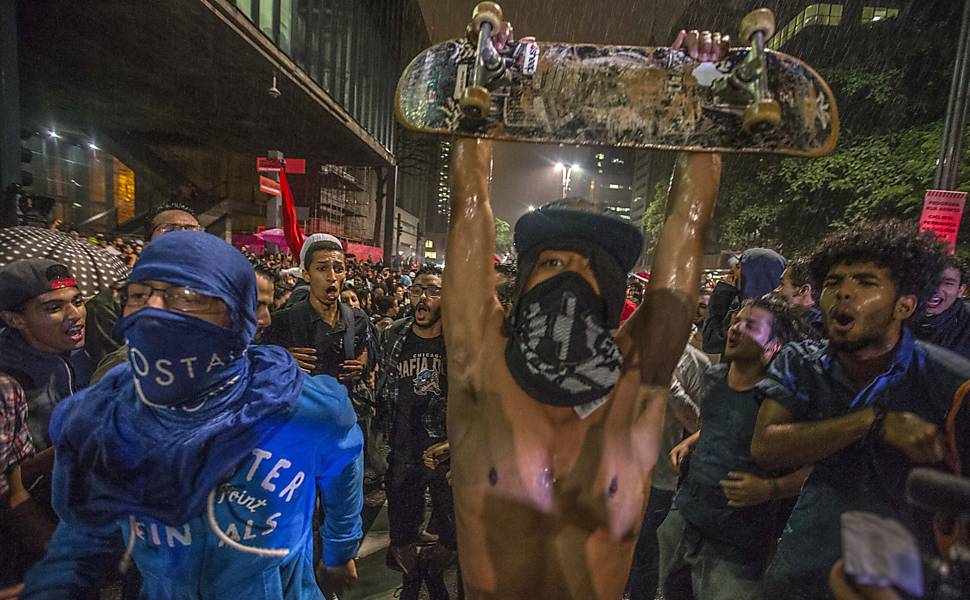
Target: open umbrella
(94, 268)
(273, 236)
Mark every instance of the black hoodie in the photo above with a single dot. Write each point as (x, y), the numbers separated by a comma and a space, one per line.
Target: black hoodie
(46, 378)
(950, 329)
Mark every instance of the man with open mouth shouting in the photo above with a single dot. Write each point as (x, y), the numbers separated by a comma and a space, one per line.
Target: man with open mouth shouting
(42, 344)
(324, 335)
(946, 320)
(413, 395)
(862, 407)
(42, 361)
(202, 455)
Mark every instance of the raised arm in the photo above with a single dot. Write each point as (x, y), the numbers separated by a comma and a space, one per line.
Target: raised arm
(469, 301)
(662, 322)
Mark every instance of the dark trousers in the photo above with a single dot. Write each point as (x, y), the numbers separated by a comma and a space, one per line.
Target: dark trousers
(644, 571)
(405, 484)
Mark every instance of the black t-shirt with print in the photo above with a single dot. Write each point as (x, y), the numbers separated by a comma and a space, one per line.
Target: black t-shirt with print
(422, 389)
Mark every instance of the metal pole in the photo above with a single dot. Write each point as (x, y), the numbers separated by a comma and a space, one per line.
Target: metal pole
(948, 167)
(9, 113)
(273, 205)
(390, 201)
(275, 202)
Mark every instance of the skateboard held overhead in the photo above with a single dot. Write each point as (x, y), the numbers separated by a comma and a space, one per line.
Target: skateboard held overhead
(754, 100)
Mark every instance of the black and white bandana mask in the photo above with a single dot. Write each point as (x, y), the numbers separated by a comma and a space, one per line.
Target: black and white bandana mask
(560, 349)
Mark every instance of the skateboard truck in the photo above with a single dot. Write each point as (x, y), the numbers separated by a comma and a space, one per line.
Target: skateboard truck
(476, 100)
(750, 78)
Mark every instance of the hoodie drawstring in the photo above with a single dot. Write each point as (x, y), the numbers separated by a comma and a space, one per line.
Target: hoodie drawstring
(211, 518)
(129, 547)
(211, 514)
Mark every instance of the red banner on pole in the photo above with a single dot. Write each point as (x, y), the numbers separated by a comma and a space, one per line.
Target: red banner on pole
(291, 228)
(942, 213)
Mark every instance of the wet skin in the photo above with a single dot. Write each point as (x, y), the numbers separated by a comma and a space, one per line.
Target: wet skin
(549, 505)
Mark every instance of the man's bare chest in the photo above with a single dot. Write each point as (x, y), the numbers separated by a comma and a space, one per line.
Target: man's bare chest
(592, 472)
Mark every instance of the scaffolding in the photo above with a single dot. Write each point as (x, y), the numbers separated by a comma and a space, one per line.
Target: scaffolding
(343, 208)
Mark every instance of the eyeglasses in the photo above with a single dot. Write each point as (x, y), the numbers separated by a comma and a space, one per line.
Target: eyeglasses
(170, 227)
(433, 291)
(178, 298)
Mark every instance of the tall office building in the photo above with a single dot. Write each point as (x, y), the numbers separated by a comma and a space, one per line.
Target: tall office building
(611, 183)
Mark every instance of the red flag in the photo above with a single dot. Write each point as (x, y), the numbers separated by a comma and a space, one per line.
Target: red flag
(291, 229)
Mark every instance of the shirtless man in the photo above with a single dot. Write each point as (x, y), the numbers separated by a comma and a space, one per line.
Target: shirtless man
(550, 493)
(549, 504)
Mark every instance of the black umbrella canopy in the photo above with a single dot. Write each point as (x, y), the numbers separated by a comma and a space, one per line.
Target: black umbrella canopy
(94, 268)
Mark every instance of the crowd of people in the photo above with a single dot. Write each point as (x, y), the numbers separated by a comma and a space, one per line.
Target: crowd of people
(220, 424)
(806, 388)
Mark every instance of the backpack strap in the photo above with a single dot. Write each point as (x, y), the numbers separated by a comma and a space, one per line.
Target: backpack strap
(347, 315)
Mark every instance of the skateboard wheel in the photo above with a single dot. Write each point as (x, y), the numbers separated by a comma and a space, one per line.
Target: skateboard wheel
(475, 102)
(761, 116)
(762, 20)
(487, 12)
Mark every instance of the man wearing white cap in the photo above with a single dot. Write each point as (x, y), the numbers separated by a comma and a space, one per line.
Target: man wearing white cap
(325, 336)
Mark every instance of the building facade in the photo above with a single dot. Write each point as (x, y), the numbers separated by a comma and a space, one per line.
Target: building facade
(125, 109)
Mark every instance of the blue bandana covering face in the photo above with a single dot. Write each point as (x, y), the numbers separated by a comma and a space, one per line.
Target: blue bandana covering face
(179, 360)
(156, 436)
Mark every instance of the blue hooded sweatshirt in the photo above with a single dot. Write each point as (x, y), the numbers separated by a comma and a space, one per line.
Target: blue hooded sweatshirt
(761, 270)
(212, 500)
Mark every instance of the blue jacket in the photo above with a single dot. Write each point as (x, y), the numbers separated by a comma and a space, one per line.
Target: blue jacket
(266, 505)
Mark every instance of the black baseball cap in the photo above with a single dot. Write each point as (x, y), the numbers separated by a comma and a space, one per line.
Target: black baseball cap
(542, 228)
(24, 280)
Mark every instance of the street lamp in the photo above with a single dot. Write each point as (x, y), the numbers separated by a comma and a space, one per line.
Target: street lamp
(566, 175)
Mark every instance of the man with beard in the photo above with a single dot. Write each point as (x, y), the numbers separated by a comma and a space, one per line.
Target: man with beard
(413, 396)
(946, 320)
(720, 529)
(324, 335)
(554, 421)
(204, 455)
(863, 406)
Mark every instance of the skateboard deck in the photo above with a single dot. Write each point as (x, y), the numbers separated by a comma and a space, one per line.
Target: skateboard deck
(627, 96)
